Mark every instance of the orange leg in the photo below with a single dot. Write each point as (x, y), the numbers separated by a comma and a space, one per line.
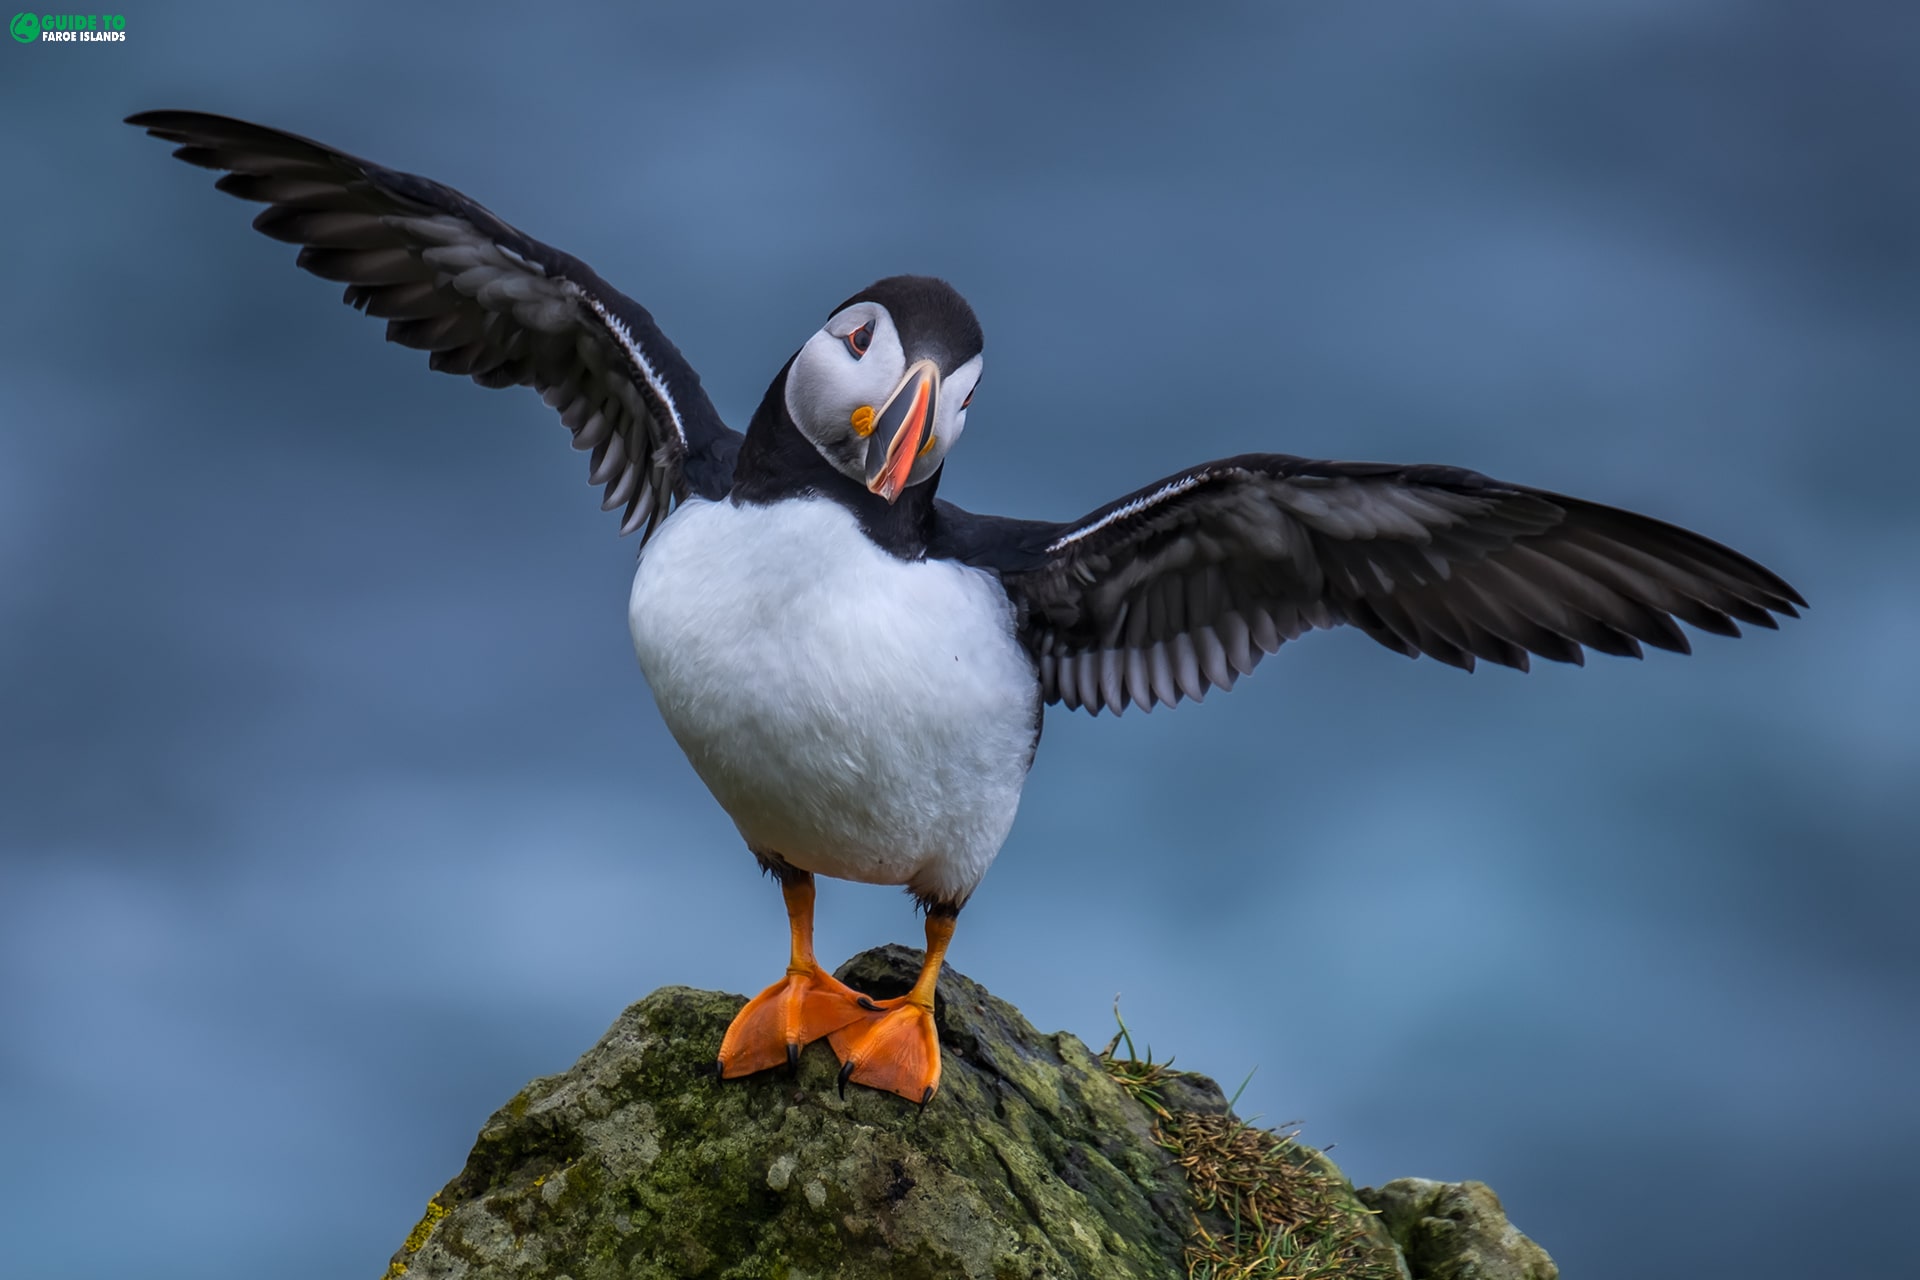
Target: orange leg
(797, 1010)
(895, 1047)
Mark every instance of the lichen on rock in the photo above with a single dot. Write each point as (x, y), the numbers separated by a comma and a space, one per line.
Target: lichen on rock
(1456, 1231)
(1031, 1163)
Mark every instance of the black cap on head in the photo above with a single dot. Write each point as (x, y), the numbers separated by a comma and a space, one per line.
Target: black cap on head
(932, 318)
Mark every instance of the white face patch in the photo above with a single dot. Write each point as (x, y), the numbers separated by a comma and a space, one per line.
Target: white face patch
(828, 383)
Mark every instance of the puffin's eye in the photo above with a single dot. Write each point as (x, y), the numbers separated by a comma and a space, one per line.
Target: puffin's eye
(860, 339)
(969, 400)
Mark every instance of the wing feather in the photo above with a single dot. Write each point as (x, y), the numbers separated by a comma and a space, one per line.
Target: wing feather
(483, 300)
(1185, 585)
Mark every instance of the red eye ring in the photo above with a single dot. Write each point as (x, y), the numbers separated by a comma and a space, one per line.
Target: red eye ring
(860, 339)
(969, 400)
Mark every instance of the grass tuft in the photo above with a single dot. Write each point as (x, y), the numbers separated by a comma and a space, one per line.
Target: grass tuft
(1288, 1216)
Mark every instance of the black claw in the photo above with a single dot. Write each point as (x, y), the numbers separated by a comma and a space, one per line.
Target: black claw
(793, 1057)
(846, 1073)
(868, 1005)
(719, 1069)
(926, 1097)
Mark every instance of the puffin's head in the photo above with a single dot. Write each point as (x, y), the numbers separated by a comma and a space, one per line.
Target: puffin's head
(882, 390)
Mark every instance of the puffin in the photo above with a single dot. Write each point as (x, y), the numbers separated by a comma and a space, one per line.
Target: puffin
(856, 668)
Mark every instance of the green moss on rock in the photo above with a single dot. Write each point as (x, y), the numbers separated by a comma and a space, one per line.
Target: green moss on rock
(1456, 1231)
(1030, 1164)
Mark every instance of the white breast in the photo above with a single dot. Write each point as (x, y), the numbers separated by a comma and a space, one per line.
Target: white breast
(862, 716)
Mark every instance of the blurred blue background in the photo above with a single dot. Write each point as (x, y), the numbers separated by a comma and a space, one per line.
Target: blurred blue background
(334, 806)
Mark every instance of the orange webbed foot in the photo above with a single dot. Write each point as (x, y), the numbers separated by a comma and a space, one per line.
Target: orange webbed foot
(895, 1048)
(785, 1018)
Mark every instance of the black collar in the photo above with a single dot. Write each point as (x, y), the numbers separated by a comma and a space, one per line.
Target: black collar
(778, 462)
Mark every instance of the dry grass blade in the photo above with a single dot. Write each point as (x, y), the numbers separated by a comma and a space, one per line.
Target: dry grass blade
(1288, 1215)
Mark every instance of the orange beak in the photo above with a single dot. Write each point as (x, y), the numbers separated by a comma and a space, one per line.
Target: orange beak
(900, 430)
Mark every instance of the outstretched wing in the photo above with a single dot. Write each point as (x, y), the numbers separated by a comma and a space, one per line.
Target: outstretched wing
(1188, 583)
(485, 300)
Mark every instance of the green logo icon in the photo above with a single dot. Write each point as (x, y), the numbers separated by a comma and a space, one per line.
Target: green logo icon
(26, 27)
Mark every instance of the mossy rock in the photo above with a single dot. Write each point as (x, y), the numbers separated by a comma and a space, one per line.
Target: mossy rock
(1456, 1231)
(1031, 1163)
